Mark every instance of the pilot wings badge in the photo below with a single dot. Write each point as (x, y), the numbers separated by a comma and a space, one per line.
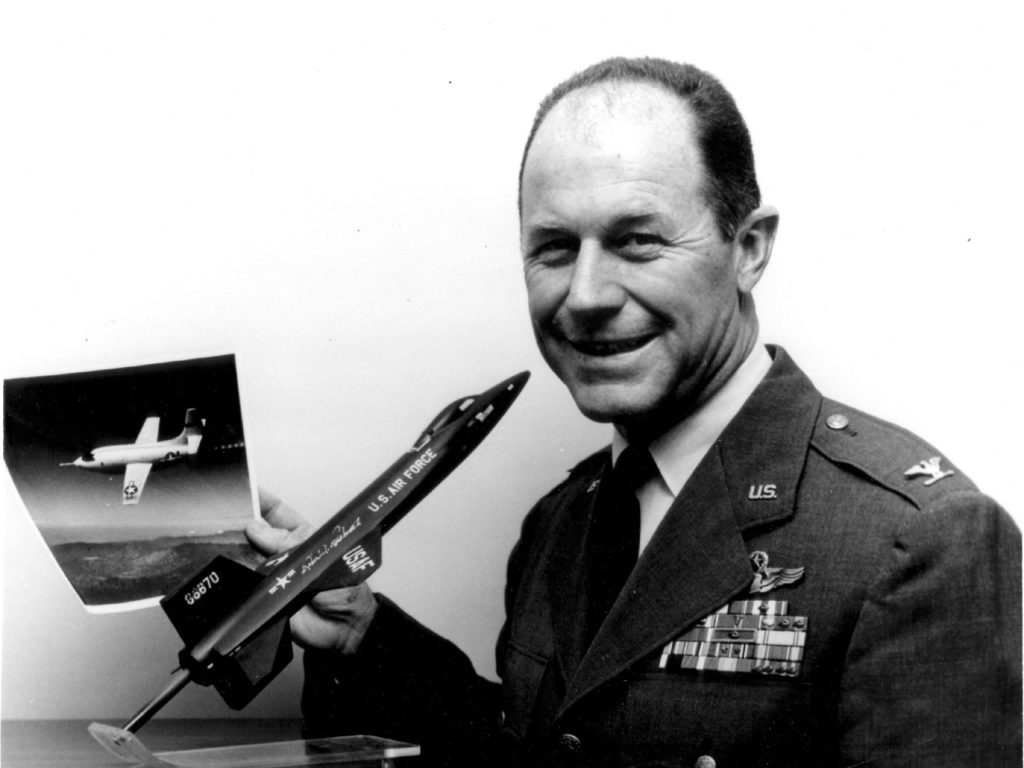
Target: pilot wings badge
(766, 579)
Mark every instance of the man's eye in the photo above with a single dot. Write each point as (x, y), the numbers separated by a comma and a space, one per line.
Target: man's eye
(639, 244)
(555, 251)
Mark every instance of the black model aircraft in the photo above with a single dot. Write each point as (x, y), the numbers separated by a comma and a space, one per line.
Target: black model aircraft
(234, 620)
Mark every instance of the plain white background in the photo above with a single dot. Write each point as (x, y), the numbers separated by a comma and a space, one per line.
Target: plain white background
(330, 193)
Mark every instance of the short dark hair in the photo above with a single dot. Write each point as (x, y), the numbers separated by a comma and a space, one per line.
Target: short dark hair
(731, 188)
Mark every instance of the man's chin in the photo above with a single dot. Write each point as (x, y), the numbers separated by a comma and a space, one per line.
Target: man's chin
(618, 404)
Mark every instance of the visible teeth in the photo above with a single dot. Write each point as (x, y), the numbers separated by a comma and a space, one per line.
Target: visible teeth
(600, 348)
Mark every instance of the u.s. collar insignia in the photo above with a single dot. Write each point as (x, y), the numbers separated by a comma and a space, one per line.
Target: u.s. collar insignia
(930, 467)
(766, 579)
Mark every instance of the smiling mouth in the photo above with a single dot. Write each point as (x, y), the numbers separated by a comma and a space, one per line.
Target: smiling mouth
(607, 348)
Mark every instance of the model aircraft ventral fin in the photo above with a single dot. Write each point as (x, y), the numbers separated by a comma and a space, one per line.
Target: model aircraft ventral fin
(246, 672)
(206, 597)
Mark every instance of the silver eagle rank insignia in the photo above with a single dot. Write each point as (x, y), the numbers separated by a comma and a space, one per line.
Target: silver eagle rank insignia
(931, 467)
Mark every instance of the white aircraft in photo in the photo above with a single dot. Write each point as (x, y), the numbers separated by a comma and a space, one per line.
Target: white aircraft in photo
(141, 456)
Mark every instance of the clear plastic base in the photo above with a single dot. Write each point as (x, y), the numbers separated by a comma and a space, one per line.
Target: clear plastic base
(339, 750)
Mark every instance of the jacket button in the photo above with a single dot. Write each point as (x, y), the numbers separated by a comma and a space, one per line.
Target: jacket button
(705, 761)
(570, 743)
(837, 421)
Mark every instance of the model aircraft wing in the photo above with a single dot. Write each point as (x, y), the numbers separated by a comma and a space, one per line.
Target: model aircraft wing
(150, 430)
(134, 479)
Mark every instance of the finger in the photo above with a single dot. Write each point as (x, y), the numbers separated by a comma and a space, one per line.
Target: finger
(267, 500)
(348, 603)
(266, 538)
(335, 629)
(280, 515)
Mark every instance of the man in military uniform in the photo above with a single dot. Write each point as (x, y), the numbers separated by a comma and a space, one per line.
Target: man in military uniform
(775, 579)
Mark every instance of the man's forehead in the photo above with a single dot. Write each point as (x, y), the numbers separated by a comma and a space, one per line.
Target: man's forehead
(629, 136)
(596, 113)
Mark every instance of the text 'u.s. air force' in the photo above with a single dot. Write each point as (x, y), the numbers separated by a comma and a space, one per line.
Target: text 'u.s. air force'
(402, 480)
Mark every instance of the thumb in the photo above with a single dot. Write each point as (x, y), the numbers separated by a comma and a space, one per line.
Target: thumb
(266, 538)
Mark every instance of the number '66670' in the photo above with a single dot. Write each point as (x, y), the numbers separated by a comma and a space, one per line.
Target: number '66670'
(201, 588)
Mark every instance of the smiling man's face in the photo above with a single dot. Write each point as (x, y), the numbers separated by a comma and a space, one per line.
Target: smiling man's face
(633, 293)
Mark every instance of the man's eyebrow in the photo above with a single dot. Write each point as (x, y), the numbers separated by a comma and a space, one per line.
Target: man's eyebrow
(540, 232)
(627, 220)
(545, 232)
(620, 222)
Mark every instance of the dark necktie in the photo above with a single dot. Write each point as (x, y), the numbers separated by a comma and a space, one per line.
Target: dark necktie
(614, 537)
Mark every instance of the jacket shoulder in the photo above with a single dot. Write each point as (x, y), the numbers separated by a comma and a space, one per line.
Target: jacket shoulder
(886, 454)
(579, 480)
(584, 473)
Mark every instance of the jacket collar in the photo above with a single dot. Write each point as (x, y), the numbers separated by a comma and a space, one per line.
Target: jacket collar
(766, 444)
(698, 559)
(678, 451)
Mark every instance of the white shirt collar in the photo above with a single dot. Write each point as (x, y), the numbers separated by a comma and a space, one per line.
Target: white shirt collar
(678, 451)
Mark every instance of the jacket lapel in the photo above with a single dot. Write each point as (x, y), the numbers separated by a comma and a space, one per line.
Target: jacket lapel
(566, 579)
(698, 558)
(694, 563)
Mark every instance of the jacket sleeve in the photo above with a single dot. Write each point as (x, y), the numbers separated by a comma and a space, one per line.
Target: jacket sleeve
(933, 671)
(405, 683)
(408, 683)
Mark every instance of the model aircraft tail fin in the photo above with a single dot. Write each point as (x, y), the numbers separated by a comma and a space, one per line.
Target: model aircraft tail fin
(202, 601)
(206, 597)
(243, 674)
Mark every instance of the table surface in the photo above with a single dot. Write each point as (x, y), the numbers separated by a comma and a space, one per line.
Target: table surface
(67, 743)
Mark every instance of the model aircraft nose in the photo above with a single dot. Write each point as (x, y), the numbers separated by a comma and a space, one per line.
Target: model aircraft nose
(518, 381)
(504, 393)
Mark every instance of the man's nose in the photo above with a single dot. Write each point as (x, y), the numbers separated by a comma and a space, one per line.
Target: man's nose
(595, 286)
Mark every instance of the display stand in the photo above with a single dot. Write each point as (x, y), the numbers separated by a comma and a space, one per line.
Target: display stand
(349, 751)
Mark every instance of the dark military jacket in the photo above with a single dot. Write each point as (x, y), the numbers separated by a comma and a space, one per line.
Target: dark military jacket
(889, 633)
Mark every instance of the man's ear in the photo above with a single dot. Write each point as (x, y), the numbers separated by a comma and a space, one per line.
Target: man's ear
(752, 246)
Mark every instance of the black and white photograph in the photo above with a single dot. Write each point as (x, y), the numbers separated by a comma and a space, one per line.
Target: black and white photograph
(135, 477)
(749, 271)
